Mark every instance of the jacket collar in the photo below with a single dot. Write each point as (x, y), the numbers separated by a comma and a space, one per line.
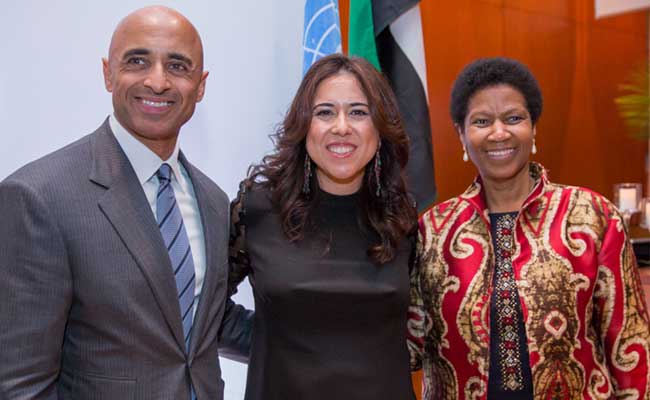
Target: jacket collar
(475, 193)
(126, 207)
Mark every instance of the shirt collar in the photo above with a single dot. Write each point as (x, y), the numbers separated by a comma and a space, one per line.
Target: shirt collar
(145, 162)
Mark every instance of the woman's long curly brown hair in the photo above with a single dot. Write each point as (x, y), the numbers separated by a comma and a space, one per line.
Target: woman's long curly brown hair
(391, 215)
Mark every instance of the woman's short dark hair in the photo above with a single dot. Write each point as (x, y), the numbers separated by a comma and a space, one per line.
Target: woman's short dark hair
(486, 72)
(391, 215)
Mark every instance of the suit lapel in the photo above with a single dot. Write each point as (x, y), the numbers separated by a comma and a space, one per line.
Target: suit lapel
(126, 207)
(211, 216)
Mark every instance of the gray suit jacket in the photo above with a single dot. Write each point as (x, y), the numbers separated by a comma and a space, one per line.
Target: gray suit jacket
(88, 306)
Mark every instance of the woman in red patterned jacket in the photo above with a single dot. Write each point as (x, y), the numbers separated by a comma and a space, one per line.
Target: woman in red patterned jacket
(526, 289)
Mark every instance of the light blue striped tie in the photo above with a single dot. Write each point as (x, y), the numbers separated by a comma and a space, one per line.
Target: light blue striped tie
(170, 222)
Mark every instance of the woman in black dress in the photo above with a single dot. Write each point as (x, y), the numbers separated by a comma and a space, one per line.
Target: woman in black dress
(322, 229)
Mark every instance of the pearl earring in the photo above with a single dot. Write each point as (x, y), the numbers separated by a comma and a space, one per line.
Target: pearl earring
(465, 156)
(534, 148)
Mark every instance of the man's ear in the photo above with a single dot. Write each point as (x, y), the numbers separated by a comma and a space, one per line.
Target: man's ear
(201, 93)
(108, 83)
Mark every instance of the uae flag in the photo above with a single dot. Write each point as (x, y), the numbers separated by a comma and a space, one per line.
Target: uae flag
(388, 33)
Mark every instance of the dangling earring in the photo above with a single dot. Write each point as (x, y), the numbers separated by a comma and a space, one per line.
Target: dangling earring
(465, 156)
(534, 148)
(378, 173)
(307, 175)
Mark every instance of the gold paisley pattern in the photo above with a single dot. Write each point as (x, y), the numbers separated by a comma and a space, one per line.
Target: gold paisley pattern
(586, 321)
(472, 316)
(549, 288)
(436, 282)
(586, 217)
(634, 333)
(475, 389)
(604, 293)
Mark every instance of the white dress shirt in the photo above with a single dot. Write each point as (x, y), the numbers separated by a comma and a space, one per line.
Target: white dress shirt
(145, 164)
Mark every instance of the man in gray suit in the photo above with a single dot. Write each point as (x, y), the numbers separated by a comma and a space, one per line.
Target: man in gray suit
(113, 250)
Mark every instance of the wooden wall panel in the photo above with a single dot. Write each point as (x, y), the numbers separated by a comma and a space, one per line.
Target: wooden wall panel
(344, 14)
(611, 54)
(452, 39)
(554, 8)
(635, 23)
(547, 44)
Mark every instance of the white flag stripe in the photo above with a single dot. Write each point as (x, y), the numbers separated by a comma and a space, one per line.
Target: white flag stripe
(407, 31)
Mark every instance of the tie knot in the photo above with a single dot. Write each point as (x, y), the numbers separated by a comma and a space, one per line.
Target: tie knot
(164, 173)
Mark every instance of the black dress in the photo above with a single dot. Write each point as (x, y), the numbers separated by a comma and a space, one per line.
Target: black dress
(329, 323)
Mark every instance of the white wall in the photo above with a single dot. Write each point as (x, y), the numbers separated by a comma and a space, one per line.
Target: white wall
(606, 8)
(52, 92)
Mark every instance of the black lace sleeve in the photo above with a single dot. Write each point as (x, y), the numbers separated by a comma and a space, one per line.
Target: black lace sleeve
(412, 237)
(414, 257)
(237, 255)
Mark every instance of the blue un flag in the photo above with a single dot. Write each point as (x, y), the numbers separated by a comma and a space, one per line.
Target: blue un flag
(322, 34)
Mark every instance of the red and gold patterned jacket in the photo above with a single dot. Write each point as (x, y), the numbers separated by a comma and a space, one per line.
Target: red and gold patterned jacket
(585, 318)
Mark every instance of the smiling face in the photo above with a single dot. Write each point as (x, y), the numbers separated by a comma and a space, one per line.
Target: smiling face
(155, 73)
(498, 133)
(342, 138)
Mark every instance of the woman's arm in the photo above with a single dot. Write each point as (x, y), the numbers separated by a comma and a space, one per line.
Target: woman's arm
(621, 313)
(416, 312)
(237, 325)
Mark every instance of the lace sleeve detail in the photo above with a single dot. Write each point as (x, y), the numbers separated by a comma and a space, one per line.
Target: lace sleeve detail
(239, 262)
